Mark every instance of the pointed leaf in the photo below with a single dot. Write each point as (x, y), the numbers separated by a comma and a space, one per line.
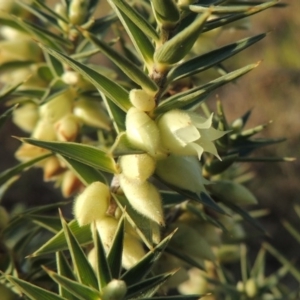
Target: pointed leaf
(144, 266)
(10, 173)
(103, 271)
(284, 261)
(85, 154)
(114, 256)
(136, 220)
(110, 88)
(59, 243)
(123, 147)
(140, 41)
(82, 267)
(64, 269)
(178, 46)
(85, 173)
(198, 94)
(245, 215)
(291, 229)
(207, 60)
(9, 89)
(52, 224)
(117, 115)
(77, 289)
(7, 114)
(32, 291)
(147, 287)
(126, 66)
(137, 19)
(231, 18)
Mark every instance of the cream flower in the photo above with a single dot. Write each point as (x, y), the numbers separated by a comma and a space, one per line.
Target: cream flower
(187, 133)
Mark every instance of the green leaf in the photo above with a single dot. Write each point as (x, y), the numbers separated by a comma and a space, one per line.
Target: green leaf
(114, 256)
(198, 94)
(126, 66)
(117, 115)
(203, 198)
(110, 88)
(81, 265)
(122, 146)
(32, 291)
(245, 215)
(185, 297)
(147, 287)
(137, 19)
(7, 114)
(284, 261)
(207, 60)
(231, 18)
(85, 154)
(85, 173)
(9, 89)
(166, 12)
(79, 290)
(59, 243)
(216, 166)
(171, 197)
(142, 224)
(291, 229)
(64, 269)
(54, 64)
(144, 266)
(52, 224)
(140, 41)
(103, 271)
(178, 46)
(10, 173)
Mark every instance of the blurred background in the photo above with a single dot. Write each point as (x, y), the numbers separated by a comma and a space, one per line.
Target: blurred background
(272, 92)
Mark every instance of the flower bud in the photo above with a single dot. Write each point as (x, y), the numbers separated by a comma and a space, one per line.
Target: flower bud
(183, 172)
(144, 198)
(91, 113)
(133, 251)
(142, 131)
(251, 288)
(26, 116)
(61, 10)
(52, 167)
(197, 284)
(137, 167)
(70, 184)
(228, 253)
(78, 11)
(67, 128)
(57, 107)
(141, 100)
(106, 228)
(115, 290)
(92, 203)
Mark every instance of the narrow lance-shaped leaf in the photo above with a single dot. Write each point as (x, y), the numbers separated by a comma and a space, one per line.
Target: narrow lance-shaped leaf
(143, 267)
(64, 269)
(79, 290)
(7, 114)
(140, 41)
(114, 256)
(59, 243)
(82, 267)
(137, 19)
(110, 88)
(33, 292)
(85, 154)
(231, 18)
(198, 94)
(205, 61)
(85, 173)
(178, 46)
(10, 173)
(129, 68)
(103, 271)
